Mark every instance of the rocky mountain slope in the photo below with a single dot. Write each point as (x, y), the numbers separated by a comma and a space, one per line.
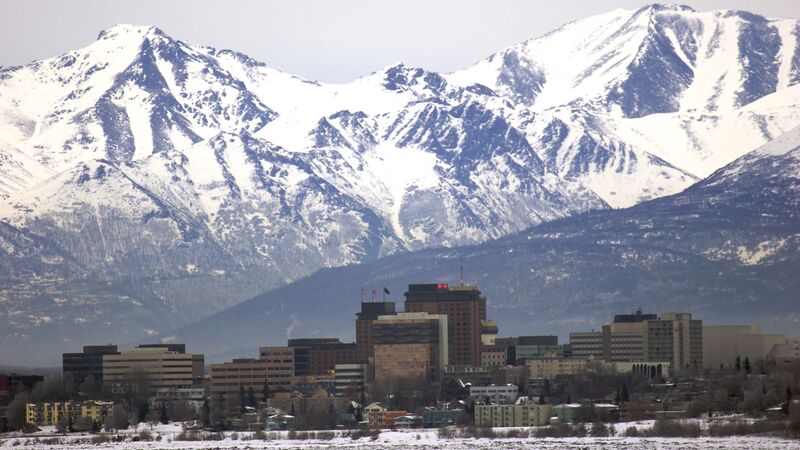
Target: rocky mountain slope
(147, 182)
(727, 249)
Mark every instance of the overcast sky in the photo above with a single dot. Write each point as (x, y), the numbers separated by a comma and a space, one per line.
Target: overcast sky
(333, 41)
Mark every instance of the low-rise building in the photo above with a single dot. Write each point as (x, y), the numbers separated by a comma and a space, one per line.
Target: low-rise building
(407, 421)
(553, 367)
(566, 412)
(518, 415)
(50, 413)
(499, 395)
(373, 413)
(436, 418)
(280, 421)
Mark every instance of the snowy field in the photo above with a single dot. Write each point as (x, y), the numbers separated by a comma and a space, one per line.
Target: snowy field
(415, 439)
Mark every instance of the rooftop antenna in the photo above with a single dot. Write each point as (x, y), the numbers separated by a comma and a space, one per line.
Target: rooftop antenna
(461, 258)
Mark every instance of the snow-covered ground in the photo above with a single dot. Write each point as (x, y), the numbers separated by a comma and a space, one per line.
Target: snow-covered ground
(165, 436)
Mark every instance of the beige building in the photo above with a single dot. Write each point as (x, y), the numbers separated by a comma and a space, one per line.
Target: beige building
(228, 379)
(676, 338)
(723, 343)
(411, 346)
(519, 415)
(493, 355)
(553, 367)
(50, 413)
(157, 366)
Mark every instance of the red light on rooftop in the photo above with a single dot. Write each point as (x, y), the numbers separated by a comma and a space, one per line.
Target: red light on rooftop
(441, 286)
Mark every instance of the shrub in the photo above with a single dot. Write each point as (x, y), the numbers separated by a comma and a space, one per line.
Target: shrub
(325, 435)
(599, 429)
(555, 431)
(446, 433)
(632, 432)
(145, 435)
(674, 428)
(100, 439)
(260, 435)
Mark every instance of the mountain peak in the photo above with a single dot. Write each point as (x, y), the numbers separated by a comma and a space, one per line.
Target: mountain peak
(123, 30)
(673, 7)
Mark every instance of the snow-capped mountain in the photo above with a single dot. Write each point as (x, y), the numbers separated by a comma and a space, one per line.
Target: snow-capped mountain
(640, 104)
(727, 250)
(183, 179)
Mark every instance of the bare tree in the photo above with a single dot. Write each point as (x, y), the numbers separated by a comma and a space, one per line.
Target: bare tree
(16, 411)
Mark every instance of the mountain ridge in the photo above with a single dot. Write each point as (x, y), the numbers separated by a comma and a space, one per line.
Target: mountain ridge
(175, 180)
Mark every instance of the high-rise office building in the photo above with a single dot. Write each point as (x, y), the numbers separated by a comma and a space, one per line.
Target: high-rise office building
(159, 366)
(410, 346)
(364, 320)
(675, 338)
(465, 308)
(89, 362)
(319, 356)
(231, 378)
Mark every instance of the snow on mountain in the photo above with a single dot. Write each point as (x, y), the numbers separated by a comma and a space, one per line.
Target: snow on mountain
(187, 175)
(640, 104)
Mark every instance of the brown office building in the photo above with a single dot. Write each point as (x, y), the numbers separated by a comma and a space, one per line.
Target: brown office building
(465, 308)
(90, 362)
(228, 379)
(319, 356)
(364, 320)
(410, 346)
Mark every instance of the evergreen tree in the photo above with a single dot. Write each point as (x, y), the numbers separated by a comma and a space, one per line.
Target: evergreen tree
(164, 417)
(625, 397)
(785, 407)
(265, 392)
(251, 397)
(747, 367)
(721, 367)
(242, 399)
(206, 413)
(144, 409)
(738, 364)
(541, 398)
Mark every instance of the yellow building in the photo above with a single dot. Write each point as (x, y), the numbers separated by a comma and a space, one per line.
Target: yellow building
(519, 415)
(552, 367)
(50, 413)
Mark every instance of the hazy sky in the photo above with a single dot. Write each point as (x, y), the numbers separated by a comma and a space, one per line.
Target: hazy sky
(332, 41)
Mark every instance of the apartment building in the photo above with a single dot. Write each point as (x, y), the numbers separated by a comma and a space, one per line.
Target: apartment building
(518, 415)
(50, 413)
(498, 395)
